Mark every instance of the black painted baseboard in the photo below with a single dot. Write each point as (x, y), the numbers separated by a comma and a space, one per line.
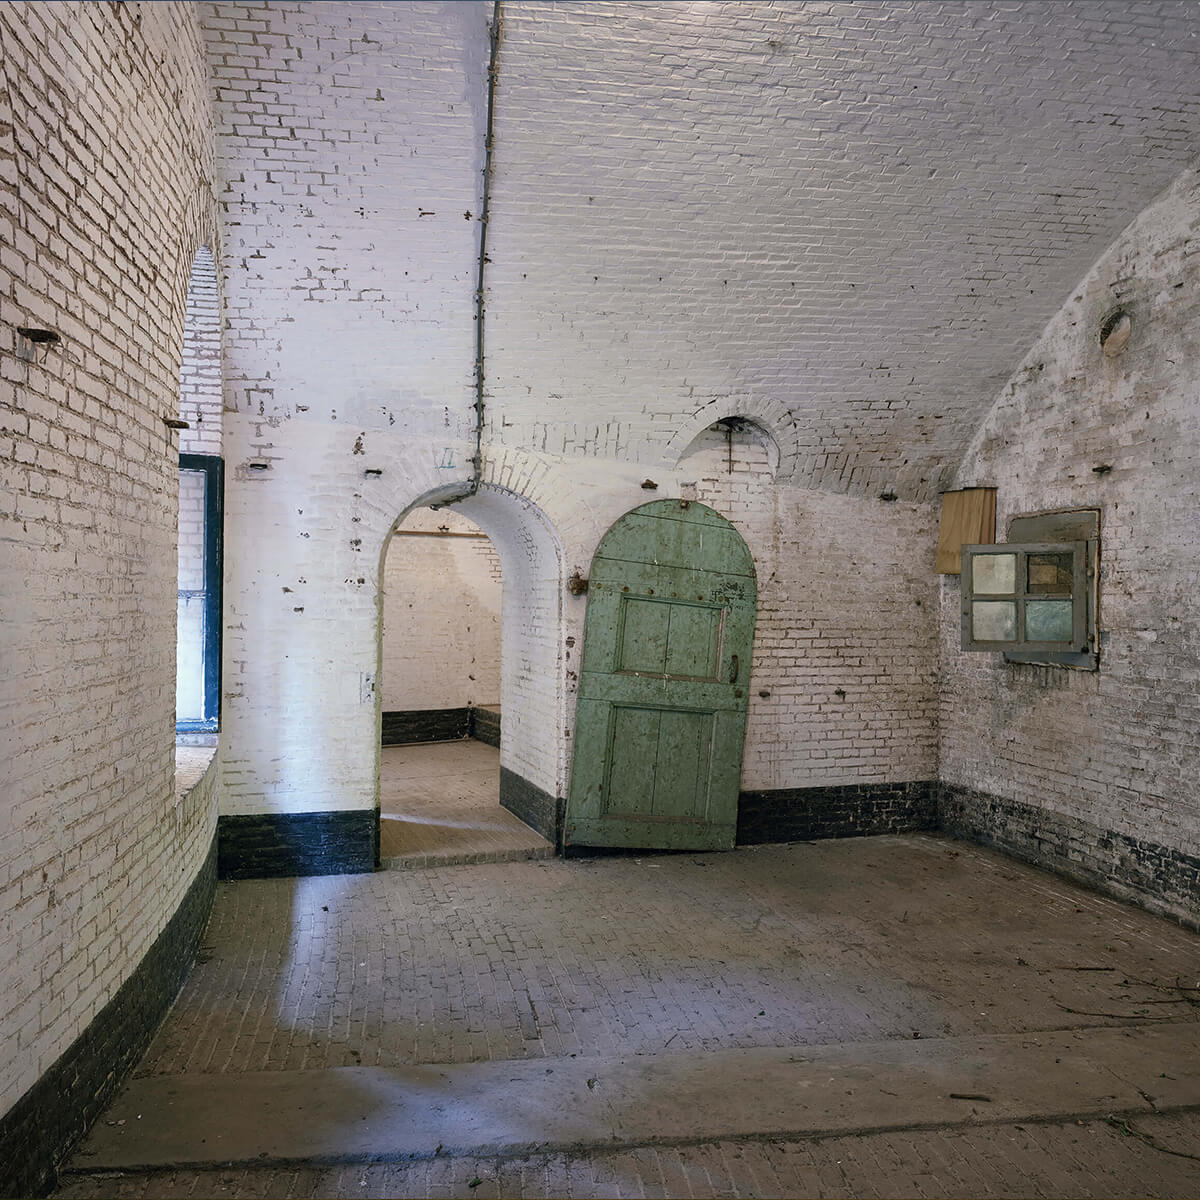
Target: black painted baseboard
(485, 726)
(269, 845)
(425, 725)
(440, 725)
(1155, 877)
(39, 1132)
(848, 810)
(539, 810)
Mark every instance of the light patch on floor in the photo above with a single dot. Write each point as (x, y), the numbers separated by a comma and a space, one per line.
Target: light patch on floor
(440, 804)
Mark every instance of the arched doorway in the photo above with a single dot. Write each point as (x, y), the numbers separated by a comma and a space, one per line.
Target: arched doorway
(442, 589)
(661, 715)
(497, 691)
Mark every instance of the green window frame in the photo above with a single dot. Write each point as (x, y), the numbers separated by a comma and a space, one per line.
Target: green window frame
(1030, 599)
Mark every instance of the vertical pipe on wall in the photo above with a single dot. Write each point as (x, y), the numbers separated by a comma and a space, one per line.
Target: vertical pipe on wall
(477, 460)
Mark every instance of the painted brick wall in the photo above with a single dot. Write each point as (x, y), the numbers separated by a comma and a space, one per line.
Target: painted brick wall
(1111, 755)
(441, 615)
(847, 602)
(105, 195)
(350, 155)
(698, 211)
(845, 647)
(535, 649)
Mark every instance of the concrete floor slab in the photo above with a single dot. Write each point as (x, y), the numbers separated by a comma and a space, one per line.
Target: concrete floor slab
(1154, 1156)
(364, 1114)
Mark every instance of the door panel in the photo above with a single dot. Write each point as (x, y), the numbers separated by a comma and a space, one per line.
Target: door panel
(661, 714)
(629, 788)
(668, 638)
(681, 782)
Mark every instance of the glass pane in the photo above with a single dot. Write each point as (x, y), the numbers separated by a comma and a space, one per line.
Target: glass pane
(191, 531)
(994, 573)
(189, 661)
(994, 620)
(1048, 620)
(1050, 574)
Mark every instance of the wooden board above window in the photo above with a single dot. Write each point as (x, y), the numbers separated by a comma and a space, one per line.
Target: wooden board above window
(968, 519)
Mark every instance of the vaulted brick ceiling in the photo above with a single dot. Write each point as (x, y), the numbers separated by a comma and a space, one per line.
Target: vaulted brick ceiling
(851, 220)
(864, 211)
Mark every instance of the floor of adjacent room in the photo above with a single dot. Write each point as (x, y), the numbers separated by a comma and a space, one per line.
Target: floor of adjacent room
(889, 1016)
(439, 803)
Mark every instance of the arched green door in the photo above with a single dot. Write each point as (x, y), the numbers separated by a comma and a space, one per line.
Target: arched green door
(661, 716)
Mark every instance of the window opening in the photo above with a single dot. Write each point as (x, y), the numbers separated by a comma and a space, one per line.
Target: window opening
(1035, 601)
(198, 641)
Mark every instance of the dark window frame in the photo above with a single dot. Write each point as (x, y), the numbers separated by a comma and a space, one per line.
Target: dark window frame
(213, 467)
(1023, 593)
(1061, 530)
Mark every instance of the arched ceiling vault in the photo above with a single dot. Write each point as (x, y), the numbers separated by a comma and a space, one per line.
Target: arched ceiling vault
(848, 221)
(864, 213)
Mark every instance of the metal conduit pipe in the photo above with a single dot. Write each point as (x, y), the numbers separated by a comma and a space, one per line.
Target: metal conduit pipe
(477, 460)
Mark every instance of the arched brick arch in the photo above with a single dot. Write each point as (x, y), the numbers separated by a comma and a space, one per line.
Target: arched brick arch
(774, 418)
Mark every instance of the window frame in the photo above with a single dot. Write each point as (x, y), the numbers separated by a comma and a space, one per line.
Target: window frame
(1083, 634)
(213, 468)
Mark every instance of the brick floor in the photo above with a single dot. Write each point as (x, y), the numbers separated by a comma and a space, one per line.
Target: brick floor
(853, 940)
(860, 940)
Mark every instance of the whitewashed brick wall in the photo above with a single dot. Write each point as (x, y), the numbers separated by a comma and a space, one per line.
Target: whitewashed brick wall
(843, 684)
(351, 154)
(794, 213)
(442, 586)
(536, 657)
(847, 601)
(1118, 749)
(105, 169)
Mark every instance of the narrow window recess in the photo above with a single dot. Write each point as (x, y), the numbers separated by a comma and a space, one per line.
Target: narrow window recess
(1034, 598)
(198, 632)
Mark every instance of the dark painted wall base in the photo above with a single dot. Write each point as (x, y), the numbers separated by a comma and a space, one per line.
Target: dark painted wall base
(485, 726)
(268, 845)
(425, 725)
(440, 725)
(1155, 877)
(851, 810)
(39, 1132)
(537, 808)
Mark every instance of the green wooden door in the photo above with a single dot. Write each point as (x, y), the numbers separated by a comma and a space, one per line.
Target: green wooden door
(661, 716)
